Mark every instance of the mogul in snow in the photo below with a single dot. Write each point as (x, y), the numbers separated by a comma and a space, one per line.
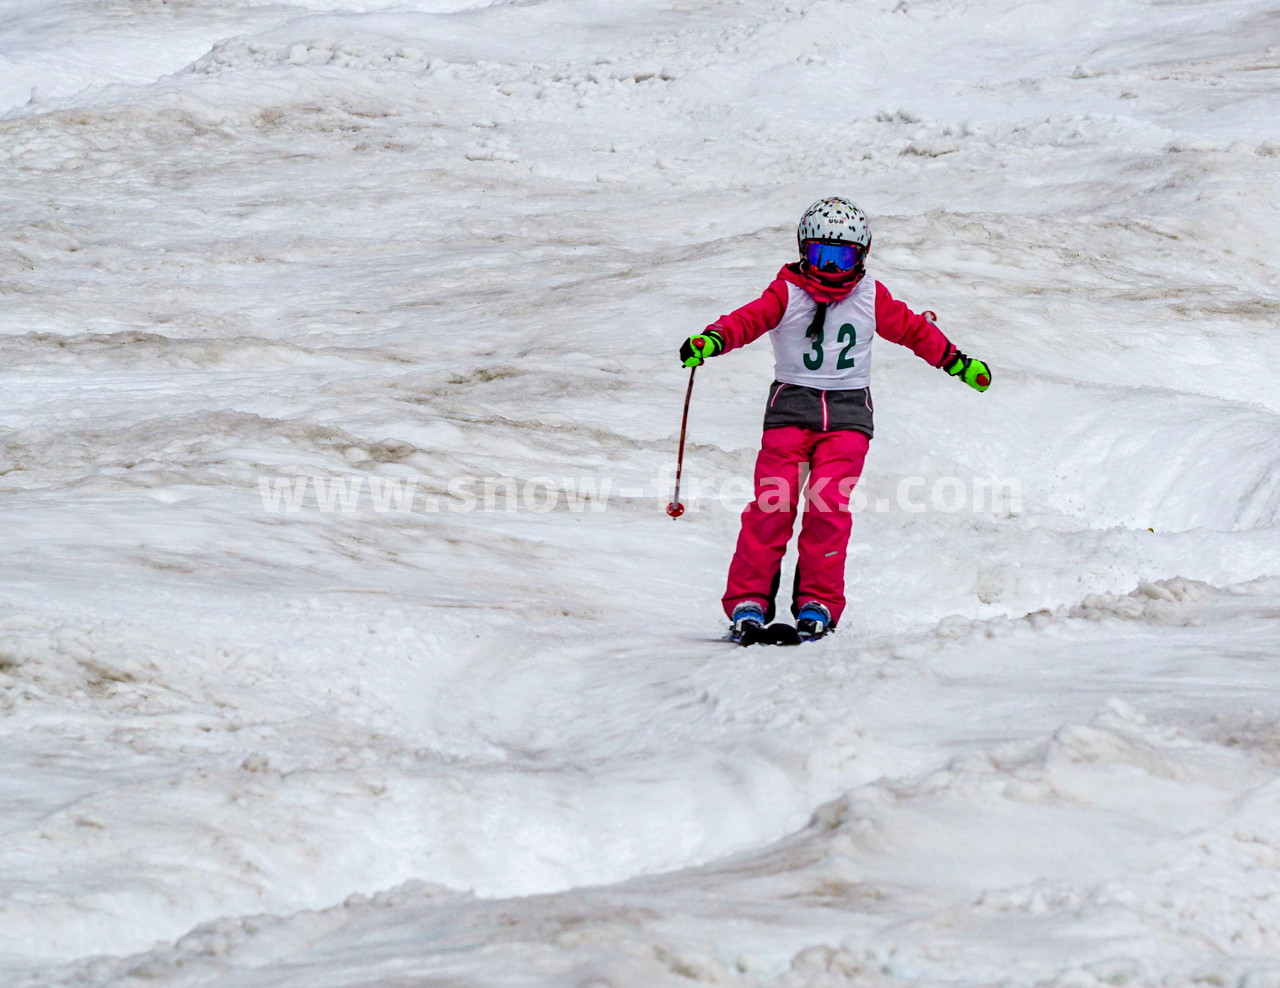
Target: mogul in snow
(821, 313)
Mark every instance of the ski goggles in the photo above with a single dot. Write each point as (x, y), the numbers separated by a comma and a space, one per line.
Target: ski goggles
(832, 257)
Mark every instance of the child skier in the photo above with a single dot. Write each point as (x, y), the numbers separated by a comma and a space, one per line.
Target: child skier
(822, 315)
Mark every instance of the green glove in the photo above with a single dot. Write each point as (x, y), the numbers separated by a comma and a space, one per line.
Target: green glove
(971, 370)
(696, 349)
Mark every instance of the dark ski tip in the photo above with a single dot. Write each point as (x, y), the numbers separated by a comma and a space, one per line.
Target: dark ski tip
(783, 634)
(774, 634)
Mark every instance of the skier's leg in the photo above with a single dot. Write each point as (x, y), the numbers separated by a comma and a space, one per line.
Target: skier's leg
(824, 533)
(768, 520)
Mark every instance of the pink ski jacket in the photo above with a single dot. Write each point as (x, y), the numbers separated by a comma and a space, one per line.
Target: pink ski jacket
(891, 319)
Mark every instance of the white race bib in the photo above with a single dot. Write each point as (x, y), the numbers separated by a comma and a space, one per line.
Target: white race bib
(839, 358)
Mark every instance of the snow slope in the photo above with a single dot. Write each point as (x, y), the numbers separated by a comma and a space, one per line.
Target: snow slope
(364, 243)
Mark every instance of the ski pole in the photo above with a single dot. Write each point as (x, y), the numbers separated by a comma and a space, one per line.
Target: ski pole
(675, 509)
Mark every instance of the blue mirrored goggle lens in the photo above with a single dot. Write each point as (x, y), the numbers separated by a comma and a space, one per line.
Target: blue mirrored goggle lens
(832, 257)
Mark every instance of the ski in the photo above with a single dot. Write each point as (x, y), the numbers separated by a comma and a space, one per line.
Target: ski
(783, 634)
(774, 634)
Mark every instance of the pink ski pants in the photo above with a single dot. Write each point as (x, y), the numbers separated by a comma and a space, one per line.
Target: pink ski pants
(835, 460)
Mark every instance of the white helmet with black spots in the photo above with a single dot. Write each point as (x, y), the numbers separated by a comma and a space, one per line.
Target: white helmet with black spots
(834, 220)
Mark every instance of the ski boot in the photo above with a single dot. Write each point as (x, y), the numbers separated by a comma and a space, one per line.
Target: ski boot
(747, 625)
(813, 621)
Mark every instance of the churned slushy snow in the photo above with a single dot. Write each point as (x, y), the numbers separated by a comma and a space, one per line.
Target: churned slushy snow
(299, 298)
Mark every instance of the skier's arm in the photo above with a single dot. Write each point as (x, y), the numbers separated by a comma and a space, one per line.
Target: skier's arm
(897, 323)
(738, 328)
(753, 320)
